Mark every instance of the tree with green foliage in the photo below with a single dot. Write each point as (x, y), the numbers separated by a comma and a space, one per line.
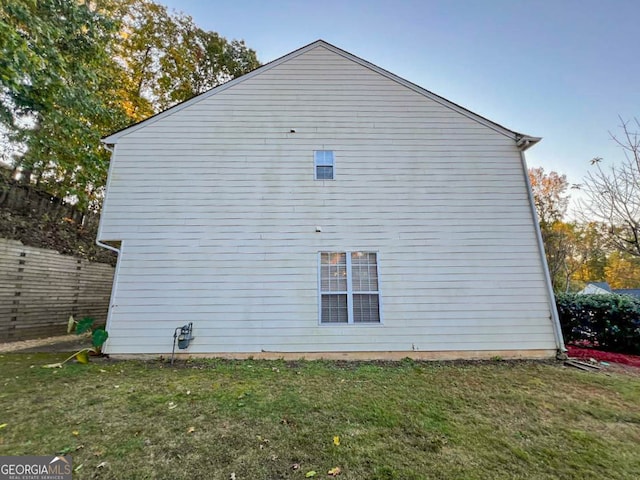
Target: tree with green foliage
(73, 71)
(169, 59)
(592, 253)
(55, 93)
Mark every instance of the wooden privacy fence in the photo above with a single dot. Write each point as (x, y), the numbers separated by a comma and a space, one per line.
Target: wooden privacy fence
(40, 288)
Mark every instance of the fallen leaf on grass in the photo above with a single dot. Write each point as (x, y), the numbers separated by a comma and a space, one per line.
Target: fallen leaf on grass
(172, 405)
(53, 365)
(311, 473)
(295, 466)
(77, 469)
(334, 472)
(191, 429)
(232, 476)
(336, 440)
(102, 465)
(2, 425)
(75, 433)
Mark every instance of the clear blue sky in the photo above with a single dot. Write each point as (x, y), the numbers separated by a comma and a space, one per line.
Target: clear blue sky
(560, 69)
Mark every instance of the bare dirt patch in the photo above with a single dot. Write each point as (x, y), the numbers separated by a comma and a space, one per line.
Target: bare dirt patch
(62, 343)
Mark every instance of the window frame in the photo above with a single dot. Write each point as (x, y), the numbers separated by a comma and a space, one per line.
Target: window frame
(323, 163)
(349, 292)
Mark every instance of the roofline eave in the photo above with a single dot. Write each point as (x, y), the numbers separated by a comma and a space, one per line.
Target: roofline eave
(524, 142)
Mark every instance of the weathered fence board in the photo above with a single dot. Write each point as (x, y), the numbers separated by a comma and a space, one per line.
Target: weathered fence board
(40, 288)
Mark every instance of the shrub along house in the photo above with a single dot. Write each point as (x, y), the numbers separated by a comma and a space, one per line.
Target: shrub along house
(322, 206)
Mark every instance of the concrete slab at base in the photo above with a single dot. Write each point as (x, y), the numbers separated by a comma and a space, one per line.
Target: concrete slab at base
(358, 356)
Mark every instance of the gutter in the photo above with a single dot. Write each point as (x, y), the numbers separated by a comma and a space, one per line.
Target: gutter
(524, 142)
(555, 318)
(108, 247)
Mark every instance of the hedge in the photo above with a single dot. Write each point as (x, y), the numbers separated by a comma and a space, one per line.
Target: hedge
(609, 322)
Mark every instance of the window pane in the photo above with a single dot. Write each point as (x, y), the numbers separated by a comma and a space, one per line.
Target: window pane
(366, 309)
(334, 309)
(324, 172)
(364, 272)
(333, 272)
(324, 157)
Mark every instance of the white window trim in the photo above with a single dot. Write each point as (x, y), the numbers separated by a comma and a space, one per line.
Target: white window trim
(349, 292)
(316, 165)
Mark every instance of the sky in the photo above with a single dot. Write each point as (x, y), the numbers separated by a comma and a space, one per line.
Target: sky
(563, 70)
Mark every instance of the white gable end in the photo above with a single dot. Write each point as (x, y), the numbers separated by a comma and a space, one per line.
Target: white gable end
(217, 208)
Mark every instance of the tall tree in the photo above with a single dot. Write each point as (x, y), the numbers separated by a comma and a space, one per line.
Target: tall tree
(56, 84)
(72, 71)
(591, 254)
(551, 200)
(623, 270)
(169, 59)
(549, 194)
(612, 195)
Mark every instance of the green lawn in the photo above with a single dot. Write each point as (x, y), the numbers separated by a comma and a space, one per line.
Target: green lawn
(260, 420)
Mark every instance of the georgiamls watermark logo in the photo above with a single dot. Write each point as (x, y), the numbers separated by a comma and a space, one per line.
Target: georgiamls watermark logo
(33, 467)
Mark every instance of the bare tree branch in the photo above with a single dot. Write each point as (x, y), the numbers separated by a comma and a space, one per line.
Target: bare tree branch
(612, 195)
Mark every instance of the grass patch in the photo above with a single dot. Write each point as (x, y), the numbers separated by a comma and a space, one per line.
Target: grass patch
(259, 419)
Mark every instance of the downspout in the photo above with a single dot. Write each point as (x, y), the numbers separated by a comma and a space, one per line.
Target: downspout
(98, 242)
(107, 327)
(557, 329)
(113, 249)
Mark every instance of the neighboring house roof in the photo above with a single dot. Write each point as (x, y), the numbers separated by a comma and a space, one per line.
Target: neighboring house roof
(523, 141)
(604, 288)
(602, 285)
(595, 288)
(633, 292)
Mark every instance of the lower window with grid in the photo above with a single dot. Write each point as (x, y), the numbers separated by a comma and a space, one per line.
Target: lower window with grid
(349, 291)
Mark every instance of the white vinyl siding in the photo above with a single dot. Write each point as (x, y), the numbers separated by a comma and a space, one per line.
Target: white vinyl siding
(217, 211)
(349, 290)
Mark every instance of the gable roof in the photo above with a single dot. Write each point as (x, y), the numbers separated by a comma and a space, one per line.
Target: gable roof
(595, 288)
(602, 285)
(523, 141)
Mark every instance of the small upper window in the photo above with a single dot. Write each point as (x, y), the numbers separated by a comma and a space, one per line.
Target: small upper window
(324, 164)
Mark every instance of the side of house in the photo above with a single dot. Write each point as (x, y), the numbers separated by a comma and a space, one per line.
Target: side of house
(323, 205)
